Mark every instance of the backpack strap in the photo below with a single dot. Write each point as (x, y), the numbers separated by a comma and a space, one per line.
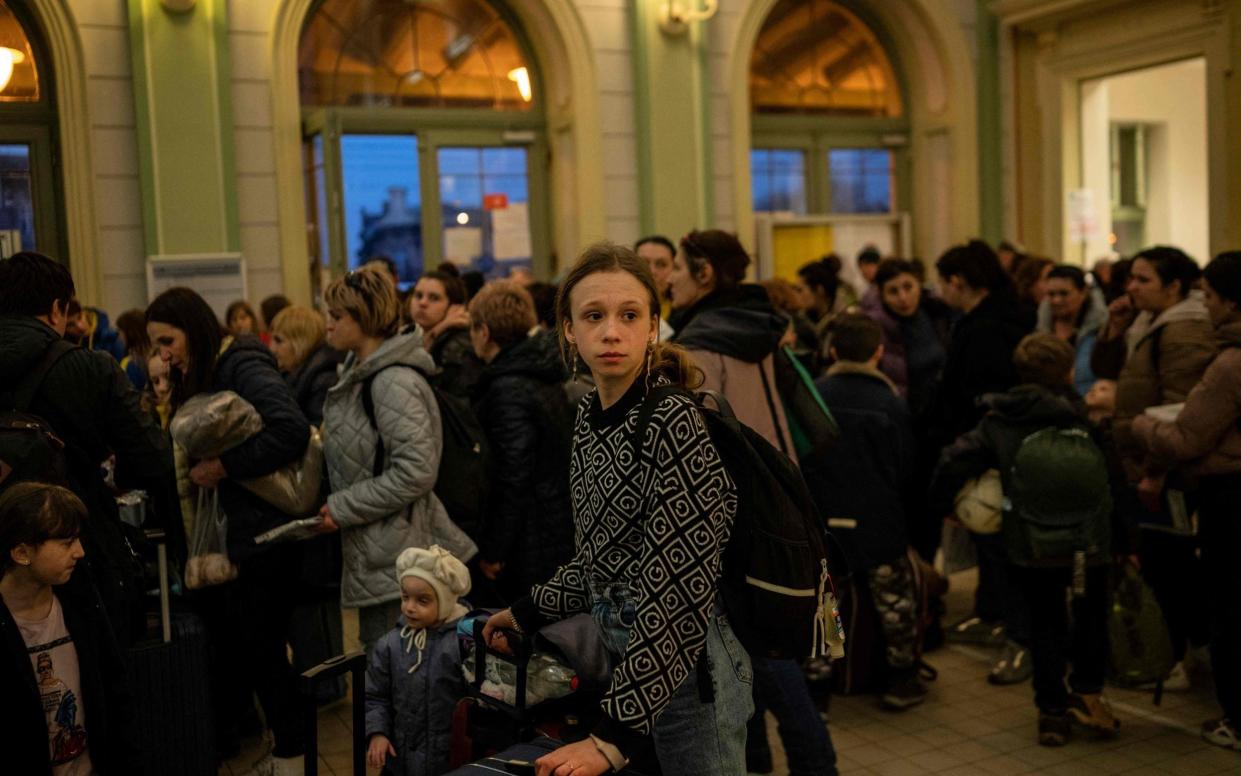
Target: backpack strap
(368, 406)
(24, 394)
(771, 407)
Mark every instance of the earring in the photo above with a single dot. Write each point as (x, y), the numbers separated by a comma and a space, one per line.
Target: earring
(650, 357)
(573, 359)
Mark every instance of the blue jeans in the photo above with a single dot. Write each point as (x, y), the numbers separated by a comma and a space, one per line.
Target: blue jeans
(693, 737)
(780, 686)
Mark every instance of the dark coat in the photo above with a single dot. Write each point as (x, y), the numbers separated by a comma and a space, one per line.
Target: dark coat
(92, 406)
(867, 476)
(312, 379)
(106, 696)
(979, 362)
(522, 407)
(459, 366)
(248, 369)
(895, 362)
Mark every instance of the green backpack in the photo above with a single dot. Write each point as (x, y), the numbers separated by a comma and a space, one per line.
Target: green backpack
(1058, 502)
(1141, 649)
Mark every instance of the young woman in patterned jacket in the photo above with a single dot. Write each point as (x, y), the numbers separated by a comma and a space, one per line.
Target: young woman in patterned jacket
(651, 522)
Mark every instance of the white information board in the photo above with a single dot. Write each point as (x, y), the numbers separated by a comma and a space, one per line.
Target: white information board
(219, 278)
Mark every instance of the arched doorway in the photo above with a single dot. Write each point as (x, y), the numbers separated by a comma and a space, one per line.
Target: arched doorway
(31, 213)
(425, 137)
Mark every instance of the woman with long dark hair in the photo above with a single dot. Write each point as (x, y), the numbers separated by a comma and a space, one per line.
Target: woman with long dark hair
(248, 619)
(650, 537)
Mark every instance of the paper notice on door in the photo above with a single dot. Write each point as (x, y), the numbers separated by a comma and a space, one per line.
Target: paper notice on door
(510, 232)
(463, 244)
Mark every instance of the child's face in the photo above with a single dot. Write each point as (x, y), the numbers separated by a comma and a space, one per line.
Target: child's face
(1102, 396)
(51, 562)
(419, 603)
(157, 371)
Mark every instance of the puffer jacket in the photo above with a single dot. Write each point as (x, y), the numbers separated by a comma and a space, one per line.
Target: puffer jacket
(380, 516)
(414, 711)
(523, 408)
(1204, 438)
(1090, 320)
(1164, 357)
(917, 388)
(248, 369)
(312, 379)
(732, 336)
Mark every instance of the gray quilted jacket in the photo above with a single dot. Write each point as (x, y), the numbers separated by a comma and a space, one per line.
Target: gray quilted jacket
(380, 516)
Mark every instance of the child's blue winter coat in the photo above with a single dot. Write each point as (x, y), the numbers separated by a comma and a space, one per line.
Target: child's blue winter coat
(415, 710)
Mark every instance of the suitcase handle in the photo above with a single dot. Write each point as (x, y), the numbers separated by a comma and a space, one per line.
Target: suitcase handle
(353, 663)
(157, 537)
(520, 658)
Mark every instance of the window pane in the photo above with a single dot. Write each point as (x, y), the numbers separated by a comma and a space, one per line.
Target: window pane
(486, 210)
(16, 203)
(861, 180)
(409, 53)
(779, 180)
(814, 56)
(382, 205)
(19, 77)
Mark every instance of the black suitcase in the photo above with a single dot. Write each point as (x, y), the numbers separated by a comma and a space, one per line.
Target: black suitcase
(519, 759)
(352, 663)
(172, 697)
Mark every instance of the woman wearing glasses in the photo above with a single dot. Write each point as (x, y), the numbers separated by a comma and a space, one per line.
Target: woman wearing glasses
(383, 464)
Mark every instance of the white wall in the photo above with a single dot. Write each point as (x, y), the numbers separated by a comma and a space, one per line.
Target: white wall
(1171, 99)
(104, 28)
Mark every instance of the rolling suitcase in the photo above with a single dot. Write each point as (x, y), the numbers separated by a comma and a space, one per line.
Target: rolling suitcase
(172, 698)
(353, 663)
(519, 759)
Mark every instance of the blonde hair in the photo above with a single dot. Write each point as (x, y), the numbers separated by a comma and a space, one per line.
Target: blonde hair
(506, 309)
(369, 297)
(301, 327)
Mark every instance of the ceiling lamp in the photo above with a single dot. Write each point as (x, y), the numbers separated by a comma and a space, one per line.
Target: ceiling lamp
(521, 77)
(8, 58)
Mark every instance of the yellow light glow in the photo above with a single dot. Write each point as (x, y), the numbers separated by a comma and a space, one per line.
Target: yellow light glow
(1111, 238)
(521, 77)
(8, 58)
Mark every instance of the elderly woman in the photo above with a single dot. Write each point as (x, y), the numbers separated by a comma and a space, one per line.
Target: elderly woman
(307, 361)
(382, 439)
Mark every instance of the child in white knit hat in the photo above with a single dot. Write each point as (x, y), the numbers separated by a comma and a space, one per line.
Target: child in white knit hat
(414, 680)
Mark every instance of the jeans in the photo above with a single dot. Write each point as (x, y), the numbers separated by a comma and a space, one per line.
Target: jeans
(780, 686)
(1052, 646)
(693, 736)
(998, 598)
(1220, 532)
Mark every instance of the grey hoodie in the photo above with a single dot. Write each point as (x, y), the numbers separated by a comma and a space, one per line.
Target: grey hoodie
(380, 516)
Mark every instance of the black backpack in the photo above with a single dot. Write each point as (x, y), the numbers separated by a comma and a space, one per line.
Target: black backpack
(29, 448)
(463, 480)
(775, 576)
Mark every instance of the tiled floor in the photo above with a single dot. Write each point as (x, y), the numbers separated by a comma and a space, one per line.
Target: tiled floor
(965, 727)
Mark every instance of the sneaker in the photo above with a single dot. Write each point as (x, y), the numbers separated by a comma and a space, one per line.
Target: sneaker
(1013, 667)
(270, 765)
(1093, 712)
(905, 691)
(1177, 680)
(1053, 729)
(975, 630)
(1222, 732)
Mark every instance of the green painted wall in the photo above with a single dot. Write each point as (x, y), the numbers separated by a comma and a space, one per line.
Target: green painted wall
(184, 121)
(671, 116)
(990, 170)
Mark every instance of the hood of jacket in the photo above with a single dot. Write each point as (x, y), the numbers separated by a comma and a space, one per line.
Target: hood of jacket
(1191, 308)
(403, 348)
(740, 323)
(1035, 405)
(537, 356)
(22, 343)
(863, 369)
(1091, 318)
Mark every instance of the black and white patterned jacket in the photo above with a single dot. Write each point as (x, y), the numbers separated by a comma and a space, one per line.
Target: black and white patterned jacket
(657, 521)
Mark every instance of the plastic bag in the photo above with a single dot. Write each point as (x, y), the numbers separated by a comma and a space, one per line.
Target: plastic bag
(210, 424)
(208, 562)
(294, 489)
(980, 504)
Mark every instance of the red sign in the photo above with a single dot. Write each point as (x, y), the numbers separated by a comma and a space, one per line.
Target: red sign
(495, 201)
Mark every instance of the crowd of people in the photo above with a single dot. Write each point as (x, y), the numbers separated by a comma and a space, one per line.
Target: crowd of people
(1098, 414)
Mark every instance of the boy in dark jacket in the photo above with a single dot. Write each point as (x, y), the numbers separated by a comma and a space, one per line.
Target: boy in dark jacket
(1017, 424)
(66, 707)
(863, 491)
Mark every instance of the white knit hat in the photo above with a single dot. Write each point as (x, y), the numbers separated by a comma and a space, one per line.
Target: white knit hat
(446, 575)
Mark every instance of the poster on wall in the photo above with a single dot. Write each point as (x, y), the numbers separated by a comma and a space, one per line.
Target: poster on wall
(463, 244)
(510, 232)
(1083, 222)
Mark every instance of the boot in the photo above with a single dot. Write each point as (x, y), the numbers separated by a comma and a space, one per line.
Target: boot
(1093, 712)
